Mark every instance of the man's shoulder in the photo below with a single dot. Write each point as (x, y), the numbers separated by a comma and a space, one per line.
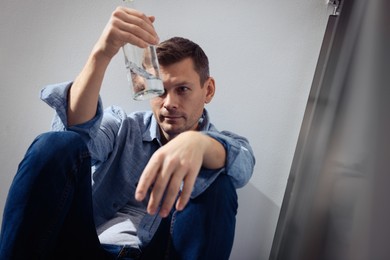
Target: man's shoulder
(137, 119)
(141, 115)
(121, 113)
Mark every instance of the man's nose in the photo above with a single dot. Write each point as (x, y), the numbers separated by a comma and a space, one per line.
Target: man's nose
(170, 101)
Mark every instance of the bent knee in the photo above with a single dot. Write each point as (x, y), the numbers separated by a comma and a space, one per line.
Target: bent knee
(220, 194)
(59, 140)
(223, 184)
(58, 145)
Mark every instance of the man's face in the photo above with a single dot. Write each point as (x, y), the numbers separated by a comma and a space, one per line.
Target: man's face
(181, 106)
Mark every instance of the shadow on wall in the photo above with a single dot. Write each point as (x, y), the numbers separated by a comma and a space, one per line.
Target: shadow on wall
(256, 222)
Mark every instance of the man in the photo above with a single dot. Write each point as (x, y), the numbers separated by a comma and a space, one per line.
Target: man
(163, 182)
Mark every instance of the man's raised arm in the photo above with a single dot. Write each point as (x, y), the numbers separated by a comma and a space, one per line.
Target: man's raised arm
(125, 26)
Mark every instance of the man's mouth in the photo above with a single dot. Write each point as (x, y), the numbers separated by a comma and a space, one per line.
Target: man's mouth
(171, 118)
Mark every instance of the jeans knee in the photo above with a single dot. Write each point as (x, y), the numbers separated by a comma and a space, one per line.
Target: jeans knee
(59, 144)
(224, 192)
(219, 199)
(55, 152)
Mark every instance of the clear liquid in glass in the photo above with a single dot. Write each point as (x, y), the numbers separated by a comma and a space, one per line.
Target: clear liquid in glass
(143, 72)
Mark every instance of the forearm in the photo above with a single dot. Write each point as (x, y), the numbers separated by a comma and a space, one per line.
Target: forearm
(214, 156)
(84, 93)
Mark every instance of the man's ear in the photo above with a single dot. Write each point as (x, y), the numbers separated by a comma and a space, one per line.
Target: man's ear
(210, 88)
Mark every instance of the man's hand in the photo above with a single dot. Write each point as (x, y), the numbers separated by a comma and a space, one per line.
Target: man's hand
(175, 164)
(126, 26)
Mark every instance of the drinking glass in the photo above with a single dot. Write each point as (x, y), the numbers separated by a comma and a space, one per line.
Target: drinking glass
(143, 71)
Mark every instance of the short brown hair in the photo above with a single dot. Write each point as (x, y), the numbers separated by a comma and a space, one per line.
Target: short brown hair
(177, 48)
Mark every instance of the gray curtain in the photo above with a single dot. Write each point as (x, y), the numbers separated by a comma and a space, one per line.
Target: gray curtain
(336, 204)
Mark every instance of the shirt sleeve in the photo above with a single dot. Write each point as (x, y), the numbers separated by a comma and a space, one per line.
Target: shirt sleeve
(56, 96)
(240, 159)
(99, 137)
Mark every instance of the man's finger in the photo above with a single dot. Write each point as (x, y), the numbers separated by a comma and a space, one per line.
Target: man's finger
(147, 179)
(185, 195)
(171, 193)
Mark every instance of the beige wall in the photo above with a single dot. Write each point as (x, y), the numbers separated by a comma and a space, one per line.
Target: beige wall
(262, 55)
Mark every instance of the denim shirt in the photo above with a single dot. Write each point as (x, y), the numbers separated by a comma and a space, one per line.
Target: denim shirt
(121, 145)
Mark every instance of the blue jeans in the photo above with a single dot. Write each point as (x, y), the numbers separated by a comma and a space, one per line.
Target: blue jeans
(203, 230)
(48, 212)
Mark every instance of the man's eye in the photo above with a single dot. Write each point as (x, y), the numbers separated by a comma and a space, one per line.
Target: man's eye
(183, 89)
